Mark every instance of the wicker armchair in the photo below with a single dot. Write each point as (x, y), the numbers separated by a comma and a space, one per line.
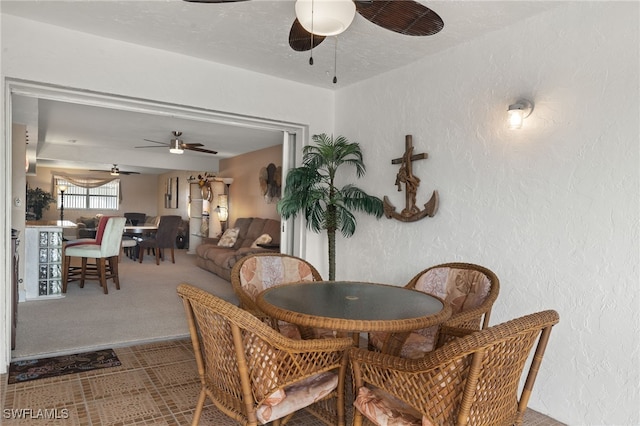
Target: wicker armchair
(256, 375)
(257, 272)
(472, 380)
(471, 291)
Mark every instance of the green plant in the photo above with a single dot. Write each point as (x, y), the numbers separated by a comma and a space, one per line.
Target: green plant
(311, 189)
(38, 200)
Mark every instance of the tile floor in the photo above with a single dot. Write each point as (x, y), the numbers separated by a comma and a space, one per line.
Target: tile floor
(157, 384)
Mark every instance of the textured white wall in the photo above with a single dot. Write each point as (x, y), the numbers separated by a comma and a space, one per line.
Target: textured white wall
(552, 208)
(49, 54)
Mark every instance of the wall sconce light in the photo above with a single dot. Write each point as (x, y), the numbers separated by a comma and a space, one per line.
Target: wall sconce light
(518, 112)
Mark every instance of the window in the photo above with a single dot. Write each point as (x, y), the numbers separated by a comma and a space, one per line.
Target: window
(104, 197)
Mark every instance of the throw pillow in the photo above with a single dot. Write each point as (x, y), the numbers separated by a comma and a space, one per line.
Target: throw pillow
(229, 237)
(262, 239)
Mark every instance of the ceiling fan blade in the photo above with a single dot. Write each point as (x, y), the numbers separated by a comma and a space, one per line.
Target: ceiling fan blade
(151, 146)
(208, 151)
(187, 145)
(300, 39)
(128, 173)
(401, 16)
(161, 143)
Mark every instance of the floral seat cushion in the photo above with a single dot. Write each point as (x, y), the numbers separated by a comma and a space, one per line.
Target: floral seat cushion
(297, 396)
(386, 410)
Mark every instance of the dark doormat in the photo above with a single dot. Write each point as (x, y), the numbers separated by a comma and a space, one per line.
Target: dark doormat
(23, 371)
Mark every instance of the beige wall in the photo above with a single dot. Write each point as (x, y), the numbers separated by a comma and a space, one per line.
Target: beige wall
(246, 199)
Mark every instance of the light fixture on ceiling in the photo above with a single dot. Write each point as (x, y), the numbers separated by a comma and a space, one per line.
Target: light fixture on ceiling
(325, 17)
(518, 112)
(175, 147)
(115, 171)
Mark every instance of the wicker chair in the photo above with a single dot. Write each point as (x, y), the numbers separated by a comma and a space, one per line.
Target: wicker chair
(165, 238)
(471, 291)
(472, 380)
(257, 272)
(256, 375)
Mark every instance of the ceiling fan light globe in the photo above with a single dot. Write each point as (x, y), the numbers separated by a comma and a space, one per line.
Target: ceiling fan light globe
(325, 17)
(175, 147)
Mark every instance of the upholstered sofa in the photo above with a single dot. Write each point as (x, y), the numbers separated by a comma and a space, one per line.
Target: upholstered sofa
(86, 226)
(219, 260)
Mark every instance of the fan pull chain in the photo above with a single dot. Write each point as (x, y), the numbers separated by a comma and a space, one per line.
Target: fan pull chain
(335, 62)
(311, 57)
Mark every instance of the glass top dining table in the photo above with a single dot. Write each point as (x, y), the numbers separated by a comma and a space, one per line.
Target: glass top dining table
(353, 306)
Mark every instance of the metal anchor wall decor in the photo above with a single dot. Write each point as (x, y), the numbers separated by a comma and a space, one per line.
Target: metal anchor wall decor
(405, 176)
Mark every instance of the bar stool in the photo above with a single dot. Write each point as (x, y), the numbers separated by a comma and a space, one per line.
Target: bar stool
(105, 250)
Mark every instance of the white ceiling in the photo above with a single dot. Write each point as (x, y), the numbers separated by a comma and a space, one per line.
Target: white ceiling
(251, 35)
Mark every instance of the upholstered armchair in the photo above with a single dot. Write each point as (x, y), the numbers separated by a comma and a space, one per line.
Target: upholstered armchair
(471, 380)
(256, 375)
(469, 289)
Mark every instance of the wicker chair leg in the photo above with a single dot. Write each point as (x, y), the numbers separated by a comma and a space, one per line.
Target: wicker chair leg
(198, 412)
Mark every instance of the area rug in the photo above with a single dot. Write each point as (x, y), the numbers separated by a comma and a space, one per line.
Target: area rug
(23, 371)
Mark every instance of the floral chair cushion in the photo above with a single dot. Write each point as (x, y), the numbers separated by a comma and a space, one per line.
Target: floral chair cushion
(463, 289)
(297, 396)
(263, 272)
(386, 410)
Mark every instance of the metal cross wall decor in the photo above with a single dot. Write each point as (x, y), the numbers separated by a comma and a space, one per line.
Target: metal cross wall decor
(405, 176)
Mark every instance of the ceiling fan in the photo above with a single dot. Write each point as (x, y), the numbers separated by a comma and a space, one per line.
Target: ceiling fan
(331, 17)
(177, 146)
(115, 171)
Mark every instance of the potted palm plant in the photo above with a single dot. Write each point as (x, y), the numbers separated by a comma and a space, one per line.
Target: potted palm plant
(311, 189)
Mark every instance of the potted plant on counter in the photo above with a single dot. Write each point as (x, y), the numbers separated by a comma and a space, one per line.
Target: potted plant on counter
(311, 189)
(37, 201)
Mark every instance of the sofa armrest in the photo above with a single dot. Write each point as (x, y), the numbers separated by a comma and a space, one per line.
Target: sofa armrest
(208, 240)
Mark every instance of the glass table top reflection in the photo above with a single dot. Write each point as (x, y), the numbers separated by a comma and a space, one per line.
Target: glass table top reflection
(353, 306)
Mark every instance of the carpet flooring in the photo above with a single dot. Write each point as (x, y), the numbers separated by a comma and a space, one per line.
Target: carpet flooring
(145, 309)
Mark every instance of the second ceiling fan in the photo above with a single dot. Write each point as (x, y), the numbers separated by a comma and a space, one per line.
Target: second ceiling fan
(177, 146)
